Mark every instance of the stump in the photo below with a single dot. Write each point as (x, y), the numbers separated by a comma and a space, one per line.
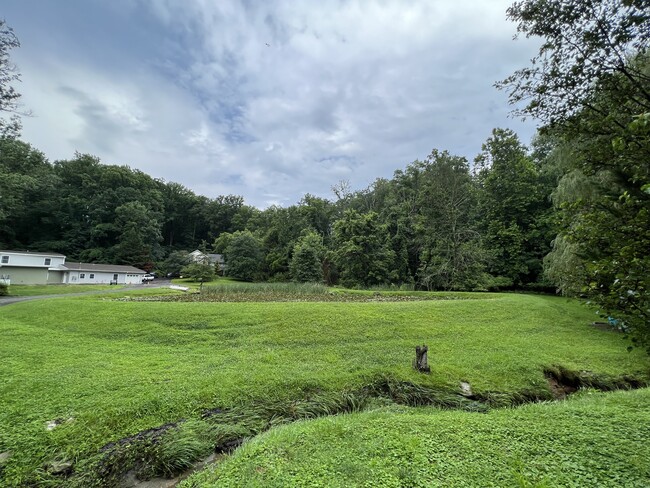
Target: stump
(421, 363)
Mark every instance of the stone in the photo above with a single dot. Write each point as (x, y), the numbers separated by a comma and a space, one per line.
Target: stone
(59, 468)
(4, 457)
(466, 389)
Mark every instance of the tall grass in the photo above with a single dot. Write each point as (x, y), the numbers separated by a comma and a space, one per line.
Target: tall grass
(280, 290)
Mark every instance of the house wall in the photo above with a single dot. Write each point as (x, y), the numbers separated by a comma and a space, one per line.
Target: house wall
(24, 276)
(55, 277)
(101, 277)
(29, 260)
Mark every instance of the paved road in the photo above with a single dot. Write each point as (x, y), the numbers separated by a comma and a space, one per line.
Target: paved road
(157, 283)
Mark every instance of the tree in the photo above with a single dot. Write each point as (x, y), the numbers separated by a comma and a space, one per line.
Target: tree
(174, 263)
(139, 235)
(583, 41)
(199, 272)
(307, 260)
(362, 251)
(8, 75)
(451, 256)
(591, 84)
(244, 256)
(512, 208)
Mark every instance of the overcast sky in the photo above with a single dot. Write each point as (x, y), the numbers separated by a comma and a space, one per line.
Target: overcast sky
(265, 99)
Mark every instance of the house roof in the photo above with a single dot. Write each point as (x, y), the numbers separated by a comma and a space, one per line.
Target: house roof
(32, 253)
(109, 268)
(213, 258)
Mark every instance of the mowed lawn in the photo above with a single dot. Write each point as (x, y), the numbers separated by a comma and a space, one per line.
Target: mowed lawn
(592, 440)
(108, 369)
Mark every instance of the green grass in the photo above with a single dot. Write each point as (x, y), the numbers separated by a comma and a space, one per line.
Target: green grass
(113, 368)
(594, 439)
(36, 290)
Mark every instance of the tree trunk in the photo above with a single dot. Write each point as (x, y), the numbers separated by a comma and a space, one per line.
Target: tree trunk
(421, 363)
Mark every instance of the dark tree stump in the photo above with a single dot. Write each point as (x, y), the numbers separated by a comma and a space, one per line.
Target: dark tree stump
(421, 363)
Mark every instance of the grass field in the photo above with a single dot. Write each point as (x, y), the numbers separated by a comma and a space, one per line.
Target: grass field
(108, 369)
(36, 290)
(594, 439)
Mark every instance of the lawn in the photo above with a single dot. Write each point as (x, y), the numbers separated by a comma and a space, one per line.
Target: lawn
(36, 290)
(107, 369)
(594, 439)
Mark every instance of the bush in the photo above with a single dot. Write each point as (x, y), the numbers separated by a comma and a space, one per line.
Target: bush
(4, 289)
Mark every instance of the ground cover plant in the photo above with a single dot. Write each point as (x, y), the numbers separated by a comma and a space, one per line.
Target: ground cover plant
(154, 386)
(595, 439)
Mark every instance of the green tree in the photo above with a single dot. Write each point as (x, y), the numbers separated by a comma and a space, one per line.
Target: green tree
(174, 263)
(27, 195)
(451, 256)
(307, 260)
(8, 76)
(591, 84)
(244, 256)
(198, 272)
(362, 251)
(139, 235)
(584, 41)
(514, 210)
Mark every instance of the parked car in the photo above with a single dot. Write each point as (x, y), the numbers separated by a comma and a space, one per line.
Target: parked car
(148, 277)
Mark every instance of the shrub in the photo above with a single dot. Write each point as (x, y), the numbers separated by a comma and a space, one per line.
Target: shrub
(4, 289)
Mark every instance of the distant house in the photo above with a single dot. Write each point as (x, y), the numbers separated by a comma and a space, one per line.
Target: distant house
(38, 268)
(208, 258)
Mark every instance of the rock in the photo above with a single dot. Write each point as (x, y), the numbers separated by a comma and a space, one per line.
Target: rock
(466, 389)
(4, 457)
(53, 424)
(59, 468)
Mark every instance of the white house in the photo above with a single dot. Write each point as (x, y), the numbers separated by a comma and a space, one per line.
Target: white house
(90, 273)
(30, 268)
(208, 258)
(38, 268)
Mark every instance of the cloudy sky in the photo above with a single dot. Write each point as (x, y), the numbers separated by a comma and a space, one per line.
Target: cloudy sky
(265, 99)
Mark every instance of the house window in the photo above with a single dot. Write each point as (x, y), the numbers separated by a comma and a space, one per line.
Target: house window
(92, 276)
(5, 259)
(48, 261)
(82, 276)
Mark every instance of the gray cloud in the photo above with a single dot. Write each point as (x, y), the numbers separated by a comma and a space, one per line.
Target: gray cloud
(274, 99)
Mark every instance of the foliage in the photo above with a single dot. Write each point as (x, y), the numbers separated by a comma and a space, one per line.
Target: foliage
(596, 439)
(244, 256)
(451, 258)
(8, 76)
(362, 251)
(4, 289)
(307, 261)
(119, 367)
(582, 42)
(592, 83)
(198, 272)
(174, 263)
(513, 207)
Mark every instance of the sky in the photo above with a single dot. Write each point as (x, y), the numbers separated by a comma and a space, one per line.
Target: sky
(268, 99)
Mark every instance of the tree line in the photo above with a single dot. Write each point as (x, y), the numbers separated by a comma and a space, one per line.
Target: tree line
(571, 212)
(440, 223)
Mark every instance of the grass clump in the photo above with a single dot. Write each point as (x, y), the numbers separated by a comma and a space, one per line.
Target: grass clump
(266, 290)
(594, 439)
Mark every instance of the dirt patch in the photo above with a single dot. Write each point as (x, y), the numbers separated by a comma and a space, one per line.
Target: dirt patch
(560, 390)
